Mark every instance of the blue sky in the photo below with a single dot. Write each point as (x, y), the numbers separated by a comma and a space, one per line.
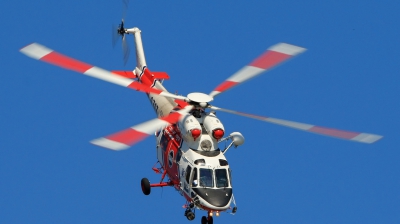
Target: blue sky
(348, 79)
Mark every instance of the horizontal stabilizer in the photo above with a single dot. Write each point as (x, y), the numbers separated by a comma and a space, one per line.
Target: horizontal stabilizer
(160, 75)
(132, 75)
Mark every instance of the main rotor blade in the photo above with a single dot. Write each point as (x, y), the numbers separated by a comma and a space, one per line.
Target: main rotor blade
(128, 137)
(348, 135)
(42, 53)
(272, 57)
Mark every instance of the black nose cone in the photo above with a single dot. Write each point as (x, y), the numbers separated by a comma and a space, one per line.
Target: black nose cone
(216, 197)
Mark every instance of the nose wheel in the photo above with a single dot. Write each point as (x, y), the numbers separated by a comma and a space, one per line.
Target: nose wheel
(207, 220)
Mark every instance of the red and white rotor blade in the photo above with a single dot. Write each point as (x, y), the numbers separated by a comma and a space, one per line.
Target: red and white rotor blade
(348, 135)
(42, 53)
(128, 137)
(272, 57)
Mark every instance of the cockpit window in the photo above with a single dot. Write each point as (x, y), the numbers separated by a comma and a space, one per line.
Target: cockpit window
(199, 161)
(223, 162)
(221, 178)
(206, 178)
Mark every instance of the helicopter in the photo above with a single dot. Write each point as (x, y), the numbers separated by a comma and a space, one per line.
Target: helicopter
(187, 130)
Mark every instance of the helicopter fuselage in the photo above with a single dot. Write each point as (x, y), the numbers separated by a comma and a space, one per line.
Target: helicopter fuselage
(202, 177)
(189, 155)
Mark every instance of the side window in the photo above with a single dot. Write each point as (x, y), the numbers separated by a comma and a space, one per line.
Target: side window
(188, 171)
(230, 176)
(178, 156)
(163, 142)
(194, 182)
(170, 158)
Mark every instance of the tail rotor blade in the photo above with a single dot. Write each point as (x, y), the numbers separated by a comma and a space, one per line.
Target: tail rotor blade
(121, 31)
(125, 5)
(114, 35)
(125, 49)
(347, 135)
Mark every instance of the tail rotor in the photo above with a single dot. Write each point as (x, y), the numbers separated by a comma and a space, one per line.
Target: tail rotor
(120, 31)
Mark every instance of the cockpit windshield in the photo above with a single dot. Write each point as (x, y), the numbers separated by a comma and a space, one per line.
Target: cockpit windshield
(221, 178)
(206, 178)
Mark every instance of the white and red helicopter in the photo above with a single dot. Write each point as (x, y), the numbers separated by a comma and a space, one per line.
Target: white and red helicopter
(187, 129)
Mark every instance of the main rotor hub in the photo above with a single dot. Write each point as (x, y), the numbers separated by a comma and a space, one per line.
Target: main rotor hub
(201, 98)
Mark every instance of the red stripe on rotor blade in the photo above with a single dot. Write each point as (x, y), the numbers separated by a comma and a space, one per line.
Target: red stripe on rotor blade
(225, 85)
(126, 74)
(334, 132)
(252, 116)
(181, 103)
(269, 59)
(66, 62)
(128, 136)
(171, 118)
(140, 87)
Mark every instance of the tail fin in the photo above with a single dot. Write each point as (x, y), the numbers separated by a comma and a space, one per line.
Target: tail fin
(140, 58)
(141, 70)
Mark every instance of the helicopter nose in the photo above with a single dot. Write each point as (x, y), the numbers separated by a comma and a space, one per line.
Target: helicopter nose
(216, 197)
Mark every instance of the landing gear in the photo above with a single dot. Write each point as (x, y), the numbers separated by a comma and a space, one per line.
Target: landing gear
(189, 214)
(205, 220)
(145, 184)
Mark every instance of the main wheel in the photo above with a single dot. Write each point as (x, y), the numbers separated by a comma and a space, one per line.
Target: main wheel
(210, 220)
(145, 184)
(204, 220)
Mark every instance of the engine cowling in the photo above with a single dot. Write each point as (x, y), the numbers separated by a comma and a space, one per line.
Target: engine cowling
(190, 127)
(213, 126)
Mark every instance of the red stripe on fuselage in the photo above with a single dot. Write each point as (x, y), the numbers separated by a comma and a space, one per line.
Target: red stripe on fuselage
(334, 132)
(128, 136)
(269, 59)
(66, 62)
